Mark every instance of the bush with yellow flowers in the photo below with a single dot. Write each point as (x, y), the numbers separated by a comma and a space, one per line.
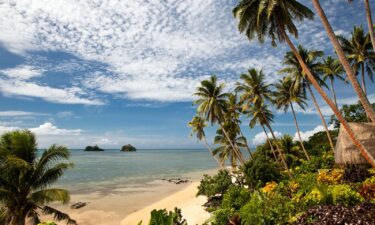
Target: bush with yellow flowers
(332, 176)
(269, 187)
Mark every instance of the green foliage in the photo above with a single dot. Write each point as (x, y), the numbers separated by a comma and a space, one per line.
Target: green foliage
(218, 184)
(318, 144)
(351, 113)
(47, 223)
(260, 170)
(94, 148)
(221, 216)
(128, 148)
(345, 195)
(163, 217)
(235, 198)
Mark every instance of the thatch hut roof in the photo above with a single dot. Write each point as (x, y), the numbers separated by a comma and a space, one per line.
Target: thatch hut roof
(346, 152)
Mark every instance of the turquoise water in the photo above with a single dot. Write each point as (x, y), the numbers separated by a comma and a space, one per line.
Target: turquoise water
(114, 169)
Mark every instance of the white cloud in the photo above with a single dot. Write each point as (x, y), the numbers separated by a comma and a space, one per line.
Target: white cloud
(50, 129)
(20, 113)
(261, 137)
(23, 72)
(305, 135)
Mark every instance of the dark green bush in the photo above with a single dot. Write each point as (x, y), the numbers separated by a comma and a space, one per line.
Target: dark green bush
(218, 184)
(259, 171)
(235, 198)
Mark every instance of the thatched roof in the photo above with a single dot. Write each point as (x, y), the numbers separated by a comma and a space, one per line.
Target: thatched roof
(346, 152)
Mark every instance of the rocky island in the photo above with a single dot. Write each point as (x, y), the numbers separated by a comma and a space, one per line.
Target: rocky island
(93, 149)
(128, 148)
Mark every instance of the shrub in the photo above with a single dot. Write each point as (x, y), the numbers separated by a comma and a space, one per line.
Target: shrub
(163, 217)
(218, 184)
(259, 171)
(333, 176)
(356, 173)
(368, 191)
(270, 187)
(235, 198)
(345, 195)
(47, 223)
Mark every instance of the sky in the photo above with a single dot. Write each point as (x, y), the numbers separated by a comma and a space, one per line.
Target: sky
(113, 72)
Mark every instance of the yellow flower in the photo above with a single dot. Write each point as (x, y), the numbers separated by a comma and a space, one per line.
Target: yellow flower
(333, 176)
(270, 187)
(293, 185)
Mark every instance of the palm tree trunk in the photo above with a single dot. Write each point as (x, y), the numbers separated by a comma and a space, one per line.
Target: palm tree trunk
(321, 116)
(210, 150)
(344, 61)
(247, 146)
(369, 23)
(333, 92)
(298, 132)
(363, 78)
(271, 146)
(239, 155)
(369, 158)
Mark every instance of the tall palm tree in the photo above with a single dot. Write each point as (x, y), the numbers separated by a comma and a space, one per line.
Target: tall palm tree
(274, 21)
(234, 112)
(255, 91)
(284, 98)
(300, 81)
(360, 53)
(331, 69)
(370, 25)
(25, 179)
(197, 125)
(349, 71)
(225, 151)
(212, 101)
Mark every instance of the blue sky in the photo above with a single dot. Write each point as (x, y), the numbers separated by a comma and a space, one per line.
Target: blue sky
(118, 72)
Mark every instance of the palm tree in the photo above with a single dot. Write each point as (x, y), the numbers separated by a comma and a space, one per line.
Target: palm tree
(284, 98)
(360, 53)
(213, 104)
(370, 26)
(350, 73)
(255, 19)
(254, 91)
(234, 111)
(225, 151)
(23, 198)
(331, 69)
(300, 80)
(197, 125)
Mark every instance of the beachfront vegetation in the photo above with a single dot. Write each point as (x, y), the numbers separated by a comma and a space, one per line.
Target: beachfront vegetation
(26, 179)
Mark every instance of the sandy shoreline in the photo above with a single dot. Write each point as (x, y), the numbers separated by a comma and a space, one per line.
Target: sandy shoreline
(131, 204)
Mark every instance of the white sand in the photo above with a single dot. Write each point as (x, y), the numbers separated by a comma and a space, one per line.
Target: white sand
(185, 199)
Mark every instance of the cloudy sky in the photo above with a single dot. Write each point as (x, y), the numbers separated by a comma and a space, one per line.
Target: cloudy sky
(113, 72)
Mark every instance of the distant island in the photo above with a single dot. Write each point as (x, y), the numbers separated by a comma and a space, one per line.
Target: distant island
(93, 149)
(128, 148)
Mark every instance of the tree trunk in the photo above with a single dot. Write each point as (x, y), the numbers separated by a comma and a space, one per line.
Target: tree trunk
(299, 133)
(344, 61)
(363, 78)
(210, 150)
(333, 92)
(271, 146)
(239, 155)
(369, 158)
(321, 116)
(369, 23)
(18, 220)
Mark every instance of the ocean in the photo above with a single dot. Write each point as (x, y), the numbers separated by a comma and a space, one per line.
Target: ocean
(111, 169)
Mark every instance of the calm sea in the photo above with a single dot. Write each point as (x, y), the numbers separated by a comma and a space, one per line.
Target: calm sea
(95, 171)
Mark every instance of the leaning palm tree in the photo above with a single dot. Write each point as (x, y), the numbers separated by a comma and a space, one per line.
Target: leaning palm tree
(284, 98)
(300, 80)
(28, 195)
(225, 151)
(360, 53)
(331, 69)
(212, 101)
(273, 19)
(349, 71)
(255, 92)
(197, 125)
(370, 25)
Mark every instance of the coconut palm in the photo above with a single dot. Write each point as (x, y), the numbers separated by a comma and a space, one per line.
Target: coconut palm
(284, 98)
(255, 92)
(300, 80)
(370, 25)
(29, 194)
(212, 101)
(234, 111)
(331, 69)
(197, 125)
(225, 151)
(273, 19)
(360, 53)
(351, 75)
